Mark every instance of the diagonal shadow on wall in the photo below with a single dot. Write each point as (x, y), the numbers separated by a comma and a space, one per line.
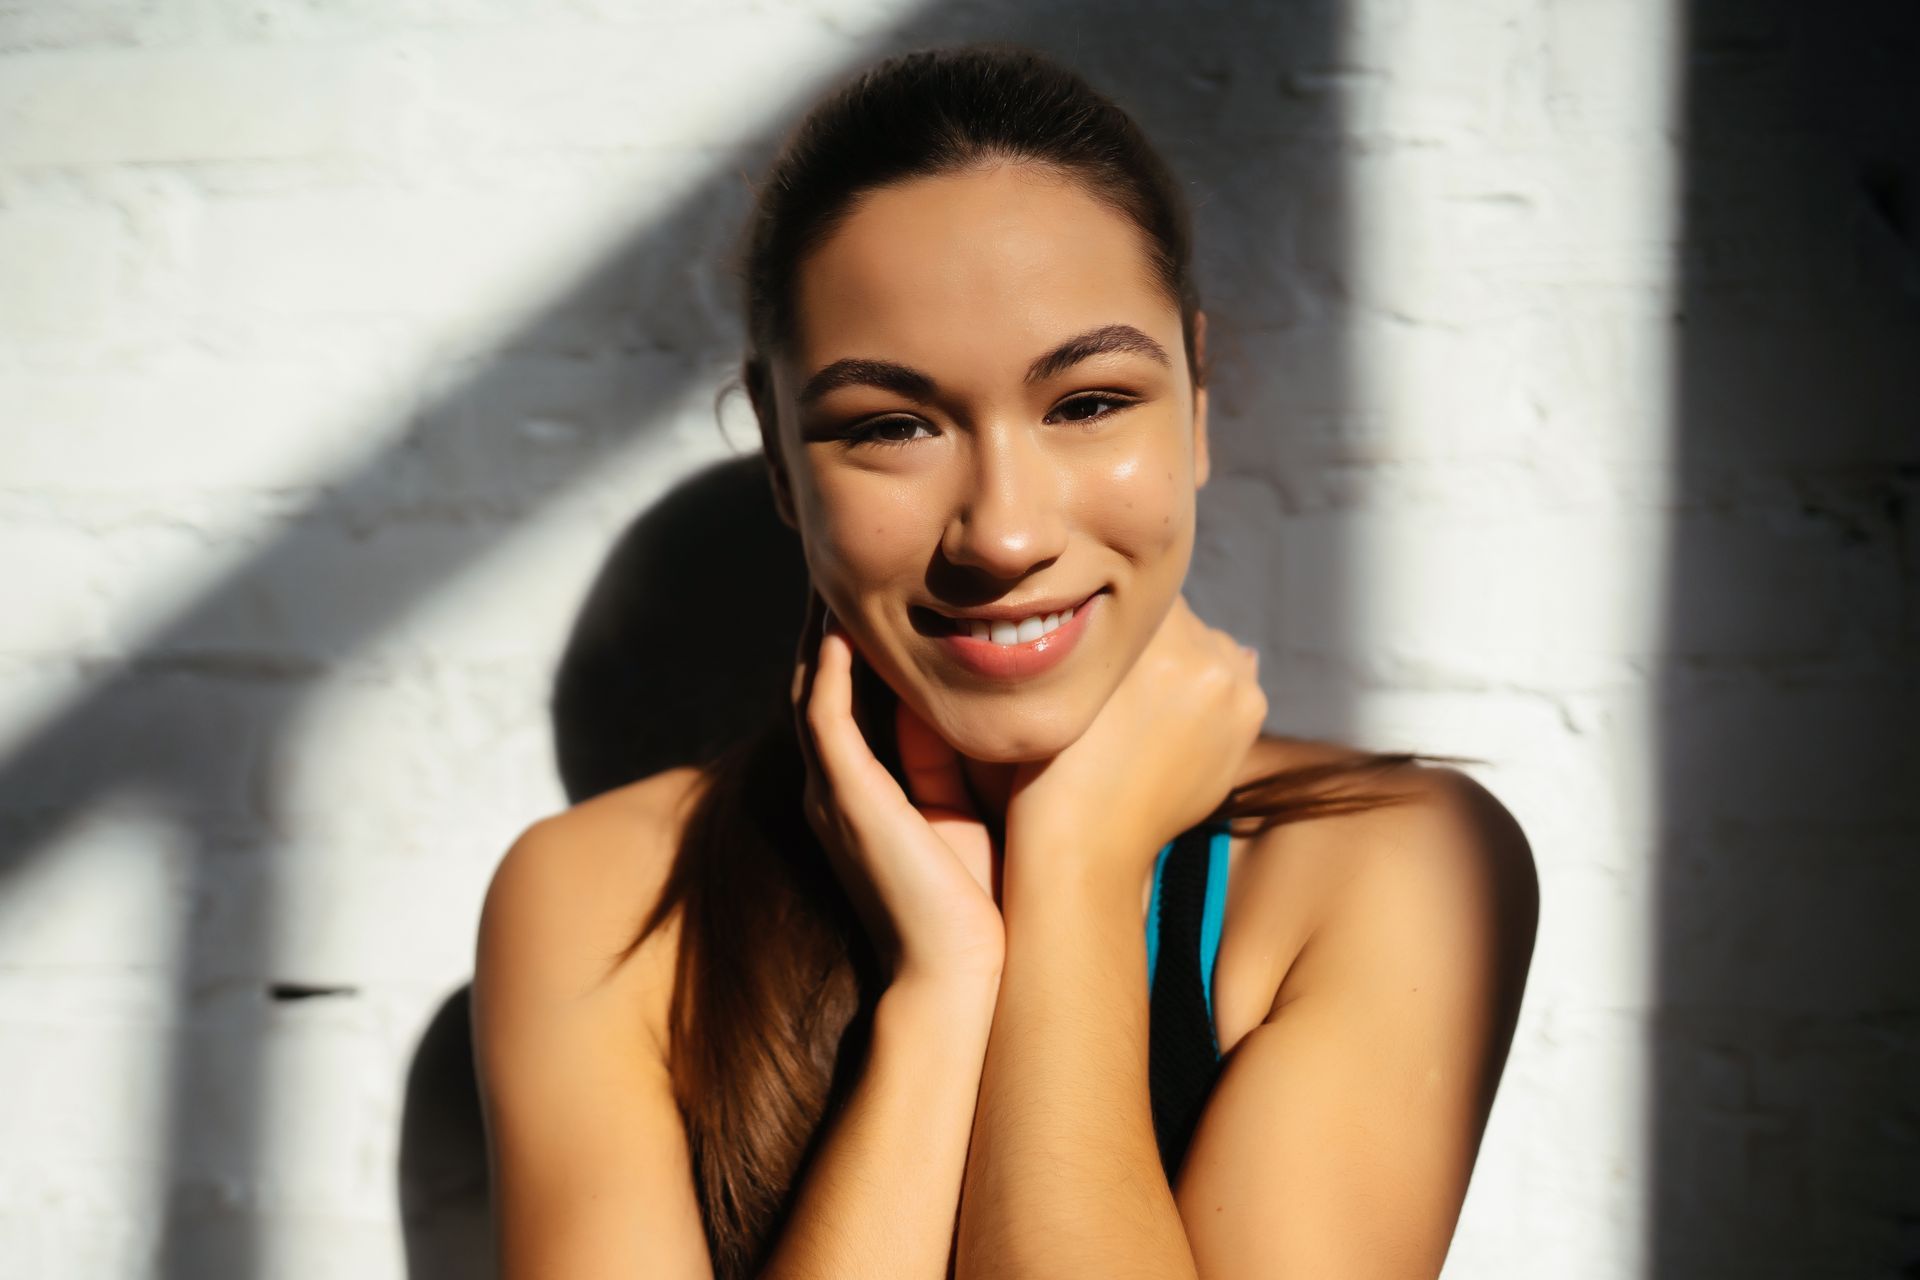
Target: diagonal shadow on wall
(1245, 103)
(1785, 1124)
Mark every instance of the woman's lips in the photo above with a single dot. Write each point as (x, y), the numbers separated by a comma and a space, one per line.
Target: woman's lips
(1019, 661)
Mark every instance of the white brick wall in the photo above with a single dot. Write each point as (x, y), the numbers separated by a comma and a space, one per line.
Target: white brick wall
(338, 345)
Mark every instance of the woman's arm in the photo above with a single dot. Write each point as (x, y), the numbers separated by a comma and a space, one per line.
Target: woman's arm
(1339, 1139)
(1064, 1177)
(880, 1196)
(592, 1174)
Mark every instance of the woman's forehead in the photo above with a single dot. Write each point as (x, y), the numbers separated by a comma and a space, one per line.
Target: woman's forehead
(986, 266)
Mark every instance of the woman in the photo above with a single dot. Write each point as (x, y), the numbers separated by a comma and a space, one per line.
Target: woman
(1012, 947)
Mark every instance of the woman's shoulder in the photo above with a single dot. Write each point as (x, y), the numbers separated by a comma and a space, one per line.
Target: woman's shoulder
(570, 894)
(1445, 865)
(589, 1157)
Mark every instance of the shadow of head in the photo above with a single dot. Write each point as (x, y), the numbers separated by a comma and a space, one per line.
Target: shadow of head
(686, 640)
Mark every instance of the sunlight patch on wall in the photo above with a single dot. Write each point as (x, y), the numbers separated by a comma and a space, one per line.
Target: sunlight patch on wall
(1513, 183)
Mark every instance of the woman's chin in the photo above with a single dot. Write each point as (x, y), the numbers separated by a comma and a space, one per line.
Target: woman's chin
(999, 740)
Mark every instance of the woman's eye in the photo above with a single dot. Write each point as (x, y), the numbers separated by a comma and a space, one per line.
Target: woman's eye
(899, 431)
(1083, 408)
(888, 431)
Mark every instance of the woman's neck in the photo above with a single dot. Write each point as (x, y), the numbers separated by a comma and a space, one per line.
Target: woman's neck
(992, 787)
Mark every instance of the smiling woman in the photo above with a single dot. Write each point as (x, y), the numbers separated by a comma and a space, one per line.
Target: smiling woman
(985, 425)
(1015, 904)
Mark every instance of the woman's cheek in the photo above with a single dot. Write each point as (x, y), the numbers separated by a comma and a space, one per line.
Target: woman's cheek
(1144, 503)
(864, 541)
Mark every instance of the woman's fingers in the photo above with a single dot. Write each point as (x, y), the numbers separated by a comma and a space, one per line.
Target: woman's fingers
(1243, 703)
(1242, 658)
(845, 757)
(829, 705)
(1251, 701)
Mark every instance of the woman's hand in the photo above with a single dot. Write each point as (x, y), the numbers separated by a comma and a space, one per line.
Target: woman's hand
(1159, 757)
(920, 870)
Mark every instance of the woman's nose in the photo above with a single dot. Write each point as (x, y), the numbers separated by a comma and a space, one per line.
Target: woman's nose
(1010, 518)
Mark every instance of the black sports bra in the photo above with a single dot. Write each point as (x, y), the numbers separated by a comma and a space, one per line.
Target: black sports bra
(1184, 915)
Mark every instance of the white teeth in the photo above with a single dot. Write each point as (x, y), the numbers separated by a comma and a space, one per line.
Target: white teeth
(1022, 632)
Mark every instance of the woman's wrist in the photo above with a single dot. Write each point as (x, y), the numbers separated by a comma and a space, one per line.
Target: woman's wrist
(951, 994)
(1079, 870)
(1106, 847)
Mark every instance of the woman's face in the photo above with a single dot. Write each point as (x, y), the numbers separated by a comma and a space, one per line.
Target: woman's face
(987, 415)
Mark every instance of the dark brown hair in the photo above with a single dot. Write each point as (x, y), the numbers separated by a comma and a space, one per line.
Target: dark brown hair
(775, 980)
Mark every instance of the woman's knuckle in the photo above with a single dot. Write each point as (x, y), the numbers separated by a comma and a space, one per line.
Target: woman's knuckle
(819, 718)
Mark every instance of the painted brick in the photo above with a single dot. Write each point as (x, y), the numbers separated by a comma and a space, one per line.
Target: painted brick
(340, 343)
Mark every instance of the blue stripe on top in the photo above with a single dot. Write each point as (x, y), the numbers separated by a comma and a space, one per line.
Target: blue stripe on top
(1213, 914)
(1153, 913)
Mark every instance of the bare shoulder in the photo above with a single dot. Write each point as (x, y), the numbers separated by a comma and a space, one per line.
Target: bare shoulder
(1440, 880)
(572, 890)
(1452, 845)
(1403, 934)
(592, 1174)
(1442, 821)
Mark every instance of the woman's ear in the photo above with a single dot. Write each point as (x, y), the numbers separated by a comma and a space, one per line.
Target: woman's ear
(782, 493)
(757, 377)
(1202, 462)
(780, 483)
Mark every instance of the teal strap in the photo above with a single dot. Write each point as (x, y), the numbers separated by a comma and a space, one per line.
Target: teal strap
(1213, 913)
(1153, 912)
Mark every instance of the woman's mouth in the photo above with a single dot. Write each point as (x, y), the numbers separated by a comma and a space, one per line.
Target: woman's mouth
(1011, 648)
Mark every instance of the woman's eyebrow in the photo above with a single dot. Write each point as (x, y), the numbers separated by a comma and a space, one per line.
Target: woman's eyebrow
(1108, 337)
(853, 372)
(907, 381)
